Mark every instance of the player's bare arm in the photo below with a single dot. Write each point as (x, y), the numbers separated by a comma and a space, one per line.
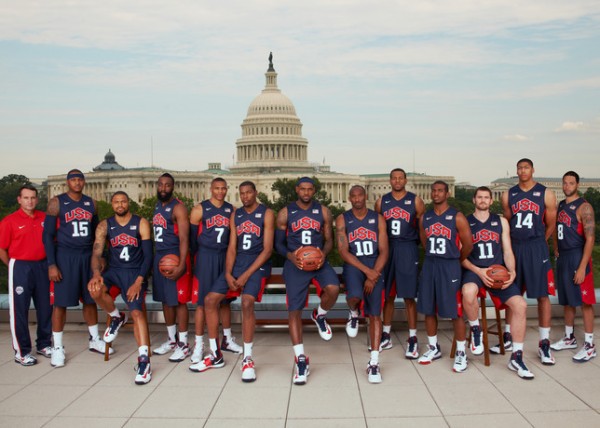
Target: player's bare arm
(506, 212)
(586, 216)
(383, 246)
(95, 282)
(507, 253)
(265, 254)
(464, 234)
(550, 213)
(327, 234)
(422, 234)
(377, 206)
(196, 214)
(53, 210)
(136, 288)
(231, 253)
(180, 216)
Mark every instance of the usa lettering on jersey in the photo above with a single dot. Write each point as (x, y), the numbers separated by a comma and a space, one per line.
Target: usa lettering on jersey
(306, 223)
(249, 228)
(485, 235)
(124, 240)
(438, 229)
(525, 205)
(217, 221)
(78, 214)
(397, 213)
(159, 220)
(362, 234)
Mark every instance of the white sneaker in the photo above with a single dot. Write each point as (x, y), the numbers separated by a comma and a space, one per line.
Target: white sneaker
(165, 348)
(58, 357)
(180, 353)
(565, 343)
(228, 344)
(322, 325)
(545, 353)
(352, 326)
(198, 353)
(433, 353)
(412, 348)
(144, 371)
(46, 352)
(374, 374)
(386, 341)
(25, 360)
(516, 364)
(112, 331)
(302, 370)
(476, 342)
(98, 345)
(586, 353)
(248, 372)
(460, 362)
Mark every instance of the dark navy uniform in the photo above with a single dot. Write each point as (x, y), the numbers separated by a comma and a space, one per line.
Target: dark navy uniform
(166, 241)
(74, 241)
(249, 228)
(363, 242)
(304, 228)
(125, 258)
(487, 251)
(21, 236)
(527, 232)
(440, 281)
(402, 269)
(212, 240)
(571, 241)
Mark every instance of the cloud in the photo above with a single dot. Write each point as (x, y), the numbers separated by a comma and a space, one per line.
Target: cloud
(591, 127)
(516, 137)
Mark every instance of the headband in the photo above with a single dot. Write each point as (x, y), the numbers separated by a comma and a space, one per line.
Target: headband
(75, 175)
(305, 180)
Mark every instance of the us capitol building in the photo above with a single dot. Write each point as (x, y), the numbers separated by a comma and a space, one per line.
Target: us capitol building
(271, 147)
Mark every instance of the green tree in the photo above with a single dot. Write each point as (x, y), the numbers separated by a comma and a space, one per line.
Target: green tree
(146, 210)
(9, 190)
(593, 197)
(285, 189)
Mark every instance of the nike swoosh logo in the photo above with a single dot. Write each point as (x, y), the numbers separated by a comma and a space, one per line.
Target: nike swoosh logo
(294, 212)
(21, 227)
(208, 209)
(386, 202)
(428, 218)
(113, 227)
(240, 216)
(513, 194)
(351, 221)
(472, 224)
(454, 280)
(544, 261)
(66, 203)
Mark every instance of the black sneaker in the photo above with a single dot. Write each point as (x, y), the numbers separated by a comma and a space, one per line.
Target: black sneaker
(507, 339)
(545, 353)
(516, 364)
(144, 372)
(302, 370)
(476, 344)
(113, 329)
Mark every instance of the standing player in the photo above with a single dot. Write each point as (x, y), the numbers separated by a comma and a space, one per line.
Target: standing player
(247, 269)
(209, 237)
(22, 250)
(446, 237)
(491, 246)
(306, 223)
(574, 235)
(363, 245)
(402, 210)
(173, 289)
(531, 211)
(69, 230)
(130, 260)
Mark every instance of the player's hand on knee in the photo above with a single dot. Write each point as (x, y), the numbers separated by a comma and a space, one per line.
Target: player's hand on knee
(482, 274)
(95, 286)
(134, 291)
(54, 273)
(373, 275)
(579, 276)
(369, 285)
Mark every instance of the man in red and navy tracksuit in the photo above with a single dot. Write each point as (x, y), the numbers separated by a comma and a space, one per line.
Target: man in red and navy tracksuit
(22, 250)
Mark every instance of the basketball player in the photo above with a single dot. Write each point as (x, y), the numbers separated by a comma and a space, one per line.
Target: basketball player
(363, 245)
(446, 237)
(575, 235)
(209, 237)
(69, 230)
(171, 236)
(491, 246)
(130, 260)
(22, 250)
(306, 223)
(402, 210)
(531, 211)
(247, 269)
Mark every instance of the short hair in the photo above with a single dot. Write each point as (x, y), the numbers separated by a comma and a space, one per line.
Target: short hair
(529, 161)
(440, 182)
(119, 192)
(397, 170)
(218, 180)
(358, 186)
(483, 189)
(75, 172)
(305, 180)
(167, 175)
(28, 187)
(247, 183)
(572, 174)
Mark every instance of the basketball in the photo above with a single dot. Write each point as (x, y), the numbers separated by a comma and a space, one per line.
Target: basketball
(168, 263)
(310, 257)
(498, 274)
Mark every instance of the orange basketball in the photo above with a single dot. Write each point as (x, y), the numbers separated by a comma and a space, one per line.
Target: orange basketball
(310, 256)
(498, 274)
(168, 263)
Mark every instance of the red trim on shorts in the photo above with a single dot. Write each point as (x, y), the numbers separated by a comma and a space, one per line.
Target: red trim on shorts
(195, 289)
(588, 293)
(263, 284)
(551, 283)
(184, 284)
(459, 306)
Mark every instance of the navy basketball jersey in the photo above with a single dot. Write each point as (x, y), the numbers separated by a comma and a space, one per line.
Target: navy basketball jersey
(400, 217)
(363, 235)
(75, 222)
(250, 228)
(568, 228)
(124, 243)
(166, 231)
(527, 209)
(305, 227)
(442, 235)
(214, 228)
(487, 241)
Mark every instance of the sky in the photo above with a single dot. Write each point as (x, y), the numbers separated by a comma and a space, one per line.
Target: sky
(450, 87)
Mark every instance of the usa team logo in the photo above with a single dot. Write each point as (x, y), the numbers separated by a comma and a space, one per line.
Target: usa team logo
(249, 228)
(159, 220)
(564, 218)
(78, 214)
(397, 213)
(486, 236)
(362, 234)
(217, 221)
(438, 229)
(124, 240)
(306, 223)
(525, 205)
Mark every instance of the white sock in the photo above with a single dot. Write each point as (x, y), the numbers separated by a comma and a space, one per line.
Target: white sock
(213, 345)
(57, 338)
(93, 329)
(374, 358)
(199, 341)
(321, 311)
(589, 338)
(387, 329)
(354, 313)
(506, 328)
(568, 330)
(227, 332)
(474, 323)
(461, 345)
(412, 332)
(143, 350)
(171, 332)
(432, 340)
(517, 346)
(247, 349)
(544, 333)
(115, 313)
(298, 349)
(183, 337)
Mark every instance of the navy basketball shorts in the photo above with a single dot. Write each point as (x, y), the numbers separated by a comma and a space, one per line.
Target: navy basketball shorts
(171, 293)
(402, 270)
(439, 288)
(74, 266)
(569, 293)
(534, 270)
(355, 282)
(255, 286)
(123, 279)
(297, 282)
(209, 265)
(499, 297)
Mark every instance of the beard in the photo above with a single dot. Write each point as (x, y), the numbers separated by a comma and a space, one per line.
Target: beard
(165, 198)
(123, 214)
